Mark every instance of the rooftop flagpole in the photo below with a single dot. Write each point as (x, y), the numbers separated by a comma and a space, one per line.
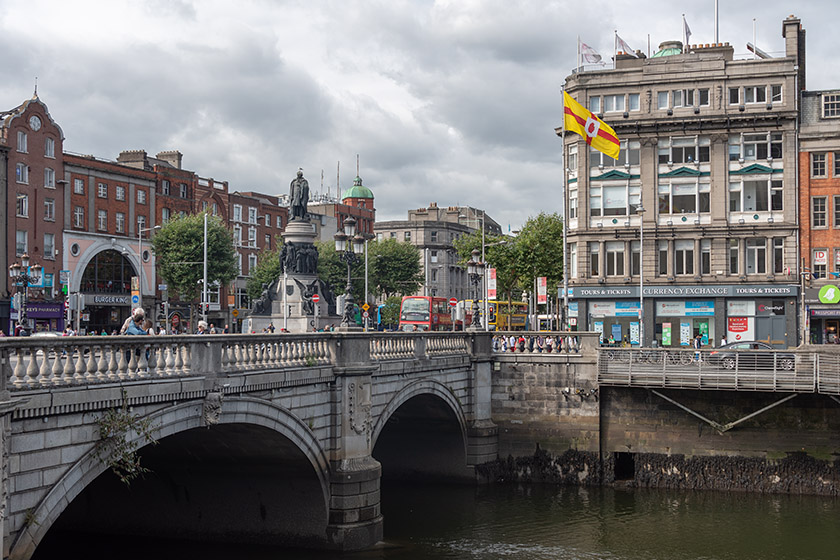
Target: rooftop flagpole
(565, 214)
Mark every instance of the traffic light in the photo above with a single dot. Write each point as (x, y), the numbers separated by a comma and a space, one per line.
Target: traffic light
(163, 309)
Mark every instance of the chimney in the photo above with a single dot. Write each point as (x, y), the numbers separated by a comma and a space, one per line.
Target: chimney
(133, 158)
(794, 37)
(172, 157)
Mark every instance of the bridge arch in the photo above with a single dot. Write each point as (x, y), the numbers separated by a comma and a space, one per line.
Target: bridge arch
(417, 388)
(171, 421)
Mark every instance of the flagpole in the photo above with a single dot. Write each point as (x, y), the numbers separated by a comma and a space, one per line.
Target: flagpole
(565, 220)
(615, 45)
(685, 39)
(578, 69)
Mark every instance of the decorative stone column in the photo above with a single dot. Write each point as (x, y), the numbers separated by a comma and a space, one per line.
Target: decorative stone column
(355, 517)
(482, 433)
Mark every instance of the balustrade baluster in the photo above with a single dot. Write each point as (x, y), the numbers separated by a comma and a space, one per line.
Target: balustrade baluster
(113, 365)
(44, 370)
(90, 374)
(102, 365)
(132, 362)
(19, 374)
(32, 369)
(57, 369)
(81, 367)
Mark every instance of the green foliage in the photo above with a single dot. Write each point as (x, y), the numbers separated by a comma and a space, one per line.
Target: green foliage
(394, 267)
(268, 269)
(536, 251)
(115, 450)
(334, 270)
(391, 312)
(179, 249)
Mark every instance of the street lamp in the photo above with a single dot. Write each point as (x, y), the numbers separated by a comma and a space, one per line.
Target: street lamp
(140, 232)
(484, 263)
(475, 269)
(349, 244)
(23, 276)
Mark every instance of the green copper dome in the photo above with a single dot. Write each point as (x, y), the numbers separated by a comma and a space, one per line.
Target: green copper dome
(357, 190)
(669, 48)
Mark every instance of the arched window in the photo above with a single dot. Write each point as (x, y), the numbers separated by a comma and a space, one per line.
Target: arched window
(108, 272)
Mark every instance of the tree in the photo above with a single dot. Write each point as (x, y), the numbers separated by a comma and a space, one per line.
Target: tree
(390, 313)
(334, 270)
(541, 249)
(501, 252)
(394, 267)
(267, 270)
(179, 249)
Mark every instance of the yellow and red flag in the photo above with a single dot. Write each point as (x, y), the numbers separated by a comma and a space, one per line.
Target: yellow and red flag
(597, 133)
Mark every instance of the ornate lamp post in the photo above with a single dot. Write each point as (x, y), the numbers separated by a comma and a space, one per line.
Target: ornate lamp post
(22, 276)
(475, 269)
(348, 245)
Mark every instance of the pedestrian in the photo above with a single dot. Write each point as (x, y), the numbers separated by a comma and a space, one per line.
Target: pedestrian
(137, 311)
(148, 327)
(531, 344)
(723, 340)
(540, 344)
(698, 343)
(549, 344)
(227, 329)
(202, 327)
(161, 331)
(271, 328)
(103, 333)
(2, 333)
(212, 328)
(512, 343)
(521, 343)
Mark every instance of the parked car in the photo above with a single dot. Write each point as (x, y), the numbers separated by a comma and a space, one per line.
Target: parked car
(751, 354)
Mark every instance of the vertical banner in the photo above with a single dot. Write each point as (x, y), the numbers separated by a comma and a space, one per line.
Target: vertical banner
(685, 334)
(634, 332)
(542, 283)
(599, 328)
(491, 284)
(666, 334)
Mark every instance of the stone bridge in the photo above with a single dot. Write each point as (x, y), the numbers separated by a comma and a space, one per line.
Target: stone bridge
(262, 437)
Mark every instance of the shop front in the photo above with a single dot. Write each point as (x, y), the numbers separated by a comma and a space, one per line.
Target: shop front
(44, 316)
(674, 315)
(822, 306)
(104, 312)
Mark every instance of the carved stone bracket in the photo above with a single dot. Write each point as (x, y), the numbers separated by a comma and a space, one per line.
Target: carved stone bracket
(212, 408)
(358, 407)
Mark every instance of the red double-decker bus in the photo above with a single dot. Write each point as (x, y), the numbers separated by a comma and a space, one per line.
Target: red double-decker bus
(425, 313)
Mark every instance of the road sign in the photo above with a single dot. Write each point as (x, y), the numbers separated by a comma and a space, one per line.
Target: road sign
(453, 302)
(235, 313)
(135, 299)
(64, 276)
(365, 314)
(316, 298)
(366, 306)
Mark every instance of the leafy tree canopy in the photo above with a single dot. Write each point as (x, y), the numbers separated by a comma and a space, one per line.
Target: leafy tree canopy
(394, 267)
(179, 250)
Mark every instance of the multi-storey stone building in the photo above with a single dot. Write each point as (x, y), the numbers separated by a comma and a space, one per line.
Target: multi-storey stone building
(433, 230)
(706, 178)
(819, 212)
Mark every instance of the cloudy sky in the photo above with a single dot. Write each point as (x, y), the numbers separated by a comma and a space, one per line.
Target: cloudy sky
(446, 101)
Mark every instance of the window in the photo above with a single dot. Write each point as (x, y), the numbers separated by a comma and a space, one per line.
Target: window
(434, 236)
(239, 263)
(22, 205)
(573, 260)
(21, 243)
(594, 258)
(705, 256)
(628, 154)
(662, 260)
(252, 237)
(684, 257)
(614, 199)
(819, 266)
(279, 222)
(756, 255)
(141, 222)
(204, 206)
(49, 246)
(407, 236)
(237, 235)
(79, 217)
(573, 202)
(79, 186)
(252, 263)
(755, 94)
(614, 103)
(141, 196)
(615, 258)
(164, 187)
(379, 237)
(237, 213)
(662, 99)
(635, 258)
(184, 193)
(684, 150)
(216, 213)
(102, 190)
(119, 192)
(572, 161)
(831, 104)
(751, 147)
(49, 178)
(433, 256)
(22, 173)
(734, 96)
(756, 196)
(102, 220)
(703, 97)
(21, 143)
(393, 235)
(633, 102)
(434, 274)
(836, 260)
(779, 255)
(837, 211)
(165, 214)
(818, 211)
(252, 215)
(595, 104)
(120, 222)
(734, 249)
(684, 198)
(776, 93)
(267, 220)
(49, 148)
(818, 168)
(267, 241)
(49, 209)
(678, 98)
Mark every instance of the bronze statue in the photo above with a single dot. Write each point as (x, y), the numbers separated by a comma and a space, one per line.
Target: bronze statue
(298, 197)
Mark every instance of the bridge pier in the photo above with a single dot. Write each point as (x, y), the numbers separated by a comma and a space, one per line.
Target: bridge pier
(482, 433)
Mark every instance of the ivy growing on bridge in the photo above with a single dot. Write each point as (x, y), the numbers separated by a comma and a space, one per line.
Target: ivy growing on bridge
(115, 450)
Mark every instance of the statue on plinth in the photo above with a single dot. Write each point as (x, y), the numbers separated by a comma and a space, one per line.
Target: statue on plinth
(298, 197)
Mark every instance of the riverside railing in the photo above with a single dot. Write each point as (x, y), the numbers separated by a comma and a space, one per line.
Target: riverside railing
(44, 362)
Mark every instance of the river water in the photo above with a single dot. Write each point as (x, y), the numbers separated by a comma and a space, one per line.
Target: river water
(551, 522)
